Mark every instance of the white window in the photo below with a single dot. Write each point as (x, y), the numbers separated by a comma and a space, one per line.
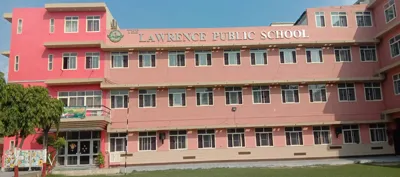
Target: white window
(395, 46)
(69, 61)
(322, 135)
(119, 98)
(71, 24)
(396, 83)
(342, 54)
(52, 25)
(347, 92)
(19, 27)
(147, 98)
(390, 11)
(117, 142)
(147, 59)
(261, 95)
(290, 93)
(16, 63)
(287, 55)
(147, 141)
(294, 136)
(364, 19)
(12, 144)
(204, 96)
(93, 23)
(339, 19)
(119, 59)
(264, 137)
(320, 19)
(177, 139)
(368, 53)
(177, 97)
(258, 57)
(232, 57)
(50, 62)
(236, 137)
(233, 95)
(378, 133)
(317, 93)
(93, 60)
(372, 91)
(314, 55)
(206, 138)
(203, 58)
(176, 58)
(351, 134)
(90, 99)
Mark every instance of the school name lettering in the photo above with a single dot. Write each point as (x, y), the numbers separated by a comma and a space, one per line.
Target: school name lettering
(223, 36)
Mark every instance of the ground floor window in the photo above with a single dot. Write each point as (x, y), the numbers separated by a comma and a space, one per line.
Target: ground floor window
(294, 136)
(236, 137)
(264, 137)
(206, 138)
(351, 134)
(322, 135)
(117, 142)
(147, 141)
(177, 139)
(378, 133)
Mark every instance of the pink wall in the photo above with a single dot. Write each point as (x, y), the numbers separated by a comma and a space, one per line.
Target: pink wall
(33, 55)
(391, 100)
(379, 15)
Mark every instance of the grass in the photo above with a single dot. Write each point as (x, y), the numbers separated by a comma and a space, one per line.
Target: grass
(356, 170)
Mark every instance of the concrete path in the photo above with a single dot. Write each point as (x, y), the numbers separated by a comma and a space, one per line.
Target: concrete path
(21, 173)
(283, 163)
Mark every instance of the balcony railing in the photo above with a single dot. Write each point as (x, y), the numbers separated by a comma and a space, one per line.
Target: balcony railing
(81, 112)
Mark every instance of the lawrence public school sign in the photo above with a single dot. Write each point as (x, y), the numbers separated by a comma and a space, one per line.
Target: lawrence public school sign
(222, 36)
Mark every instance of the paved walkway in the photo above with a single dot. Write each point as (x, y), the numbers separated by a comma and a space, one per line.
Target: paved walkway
(21, 173)
(283, 163)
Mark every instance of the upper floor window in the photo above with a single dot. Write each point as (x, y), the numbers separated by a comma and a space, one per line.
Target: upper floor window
(147, 141)
(261, 95)
(177, 139)
(317, 93)
(232, 57)
(378, 133)
(339, 19)
(206, 138)
(395, 46)
(351, 134)
(347, 92)
(90, 99)
(342, 54)
(93, 60)
(294, 136)
(16, 63)
(93, 23)
(322, 135)
(368, 53)
(396, 82)
(69, 61)
(236, 137)
(390, 11)
(50, 62)
(147, 98)
(204, 96)
(290, 93)
(314, 55)
(203, 58)
(119, 59)
(119, 98)
(258, 57)
(71, 24)
(364, 19)
(147, 60)
(52, 25)
(320, 19)
(372, 91)
(177, 97)
(19, 27)
(287, 55)
(233, 95)
(176, 59)
(264, 137)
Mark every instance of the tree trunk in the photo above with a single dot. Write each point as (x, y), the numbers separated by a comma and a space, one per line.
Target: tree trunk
(45, 136)
(16, 156)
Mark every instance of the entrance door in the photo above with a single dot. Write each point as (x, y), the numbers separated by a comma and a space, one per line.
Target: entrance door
(84, 152)
(396, 137)
(72, 153)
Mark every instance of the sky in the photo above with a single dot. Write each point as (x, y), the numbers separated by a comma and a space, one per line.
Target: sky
(180, 13)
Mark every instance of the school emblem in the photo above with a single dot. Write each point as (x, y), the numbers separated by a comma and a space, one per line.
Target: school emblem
(115, 36)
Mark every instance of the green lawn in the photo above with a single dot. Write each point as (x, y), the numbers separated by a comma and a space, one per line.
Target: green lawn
(356, 170)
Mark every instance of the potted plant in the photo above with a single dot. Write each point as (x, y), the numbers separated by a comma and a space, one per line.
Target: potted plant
(100, 160)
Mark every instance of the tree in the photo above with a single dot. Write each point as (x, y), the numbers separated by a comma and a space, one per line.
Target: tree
(2, 85)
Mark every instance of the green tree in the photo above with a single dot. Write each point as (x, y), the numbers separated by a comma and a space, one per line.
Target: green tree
(2, 92)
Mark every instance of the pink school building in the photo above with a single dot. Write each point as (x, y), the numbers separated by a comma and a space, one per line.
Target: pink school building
(327, 85)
